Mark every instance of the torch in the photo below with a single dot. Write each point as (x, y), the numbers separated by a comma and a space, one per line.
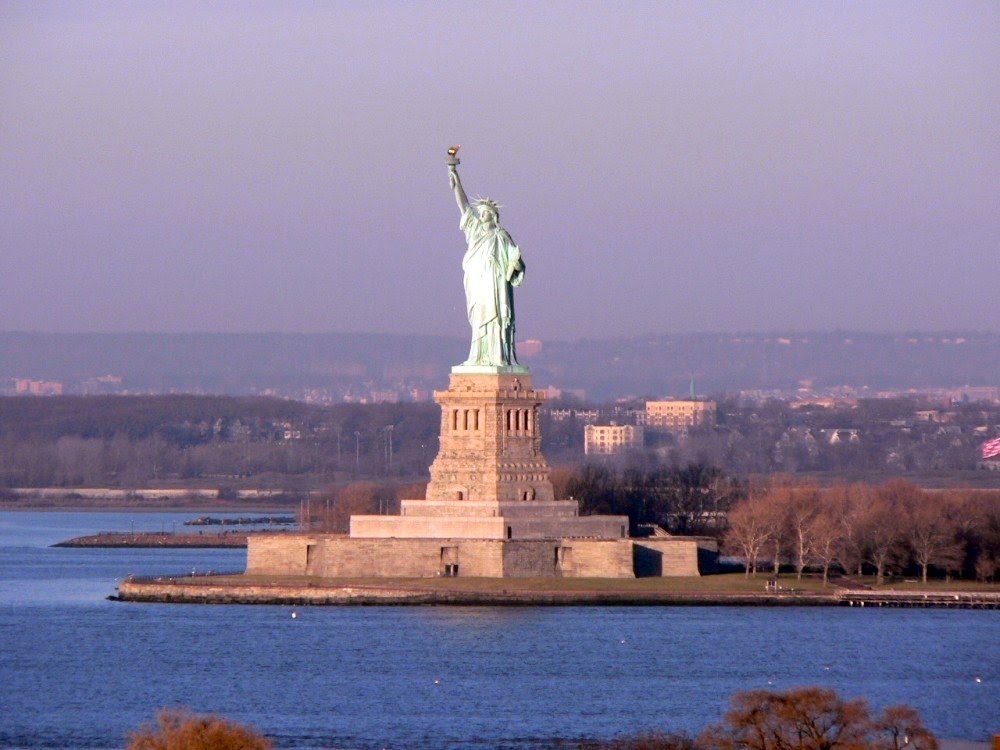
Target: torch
(452, 159)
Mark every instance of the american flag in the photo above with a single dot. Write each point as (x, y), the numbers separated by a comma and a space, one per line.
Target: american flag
(991, 448)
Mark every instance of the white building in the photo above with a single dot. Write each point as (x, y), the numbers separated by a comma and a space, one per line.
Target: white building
(609, 439)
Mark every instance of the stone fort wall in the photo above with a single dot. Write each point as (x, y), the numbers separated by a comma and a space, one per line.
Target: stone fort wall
(337, 556)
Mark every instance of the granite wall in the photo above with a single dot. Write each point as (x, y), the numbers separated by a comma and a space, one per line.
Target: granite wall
(337, 556)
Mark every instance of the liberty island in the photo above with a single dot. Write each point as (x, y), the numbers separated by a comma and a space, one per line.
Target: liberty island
(489, 510)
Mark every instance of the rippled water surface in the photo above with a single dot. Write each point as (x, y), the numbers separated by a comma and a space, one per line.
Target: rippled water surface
(79, 671)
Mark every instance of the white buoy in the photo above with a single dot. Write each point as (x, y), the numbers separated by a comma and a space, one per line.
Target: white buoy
(979, 679)
(294, 615)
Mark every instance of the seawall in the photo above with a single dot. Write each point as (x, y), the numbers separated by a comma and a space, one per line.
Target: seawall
(233, 590)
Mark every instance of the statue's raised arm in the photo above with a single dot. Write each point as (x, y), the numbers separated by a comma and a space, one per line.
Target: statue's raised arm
(493, 267)
(456, 185)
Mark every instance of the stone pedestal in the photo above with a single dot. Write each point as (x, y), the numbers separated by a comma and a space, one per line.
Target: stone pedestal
(491, 447)
(490, 479)
(489, 510)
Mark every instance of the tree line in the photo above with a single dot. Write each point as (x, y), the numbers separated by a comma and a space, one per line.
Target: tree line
(881, 436)
(806, 718)
(856, 528)
(330, 509)
(689, 499)
(141, 441)
(784, 521)
(682, 498)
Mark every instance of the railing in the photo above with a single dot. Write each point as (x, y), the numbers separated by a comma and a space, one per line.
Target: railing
(945, 599)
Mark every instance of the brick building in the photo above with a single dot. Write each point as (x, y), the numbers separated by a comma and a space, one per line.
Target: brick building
(679, 415)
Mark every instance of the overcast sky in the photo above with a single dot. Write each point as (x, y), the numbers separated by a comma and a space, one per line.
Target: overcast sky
(664, 167)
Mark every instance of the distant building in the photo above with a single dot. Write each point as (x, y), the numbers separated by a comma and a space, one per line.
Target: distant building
(838, 436)
(828, 402)
(552, 393)
(529, 347)
(679, 415)
(586, 416)
(601, 439)
(102, 384)
(976, 393)
(24, 386)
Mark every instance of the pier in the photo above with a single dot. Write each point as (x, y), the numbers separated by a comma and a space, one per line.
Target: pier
(938, 599)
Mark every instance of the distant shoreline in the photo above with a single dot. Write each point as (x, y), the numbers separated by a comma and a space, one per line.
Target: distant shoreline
(5, 507)
(143, 509)
(108, 500)
(152, 539)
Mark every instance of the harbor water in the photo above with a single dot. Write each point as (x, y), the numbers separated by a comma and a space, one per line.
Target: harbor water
(79, 671)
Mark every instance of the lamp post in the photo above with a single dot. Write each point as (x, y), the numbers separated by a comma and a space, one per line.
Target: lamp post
(357, 452)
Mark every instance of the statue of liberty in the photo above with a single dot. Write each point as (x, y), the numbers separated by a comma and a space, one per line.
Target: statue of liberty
(493, 267)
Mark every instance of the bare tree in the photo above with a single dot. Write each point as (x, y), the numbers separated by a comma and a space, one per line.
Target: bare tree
(930, 534)
(788, 507)
(881, 527)
(179, 729)
(901, 727)
(825, 533)
(750, 528)
(851, 503)
(331, 509)
(813, 718)
(804, 718)
(801, 507)
(976, 517)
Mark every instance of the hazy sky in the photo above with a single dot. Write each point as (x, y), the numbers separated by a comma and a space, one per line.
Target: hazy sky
(665, 167)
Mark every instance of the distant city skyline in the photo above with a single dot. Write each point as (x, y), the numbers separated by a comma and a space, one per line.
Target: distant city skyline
(335, 367)
(666, 167)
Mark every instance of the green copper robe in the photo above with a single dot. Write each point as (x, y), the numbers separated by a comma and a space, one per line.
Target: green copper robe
(492, 266)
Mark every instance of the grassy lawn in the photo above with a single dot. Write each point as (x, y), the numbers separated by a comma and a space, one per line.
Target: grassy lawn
(727, 583)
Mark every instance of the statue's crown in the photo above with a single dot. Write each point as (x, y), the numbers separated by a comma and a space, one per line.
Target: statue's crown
(489, 203)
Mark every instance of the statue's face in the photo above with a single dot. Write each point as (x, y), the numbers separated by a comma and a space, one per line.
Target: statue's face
(487, 215)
